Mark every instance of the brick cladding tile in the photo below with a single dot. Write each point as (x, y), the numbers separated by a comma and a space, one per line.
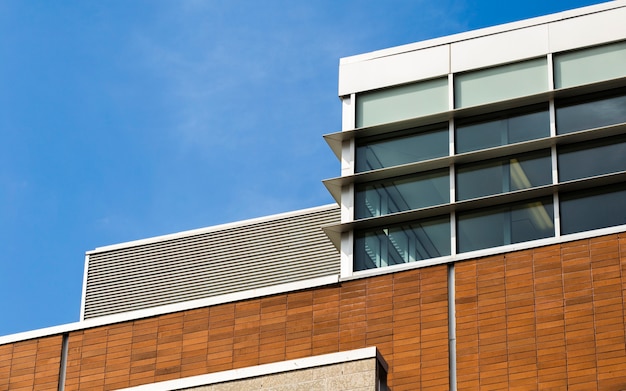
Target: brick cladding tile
(545, 318)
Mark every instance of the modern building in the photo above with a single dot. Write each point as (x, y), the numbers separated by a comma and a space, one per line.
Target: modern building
(478, 241)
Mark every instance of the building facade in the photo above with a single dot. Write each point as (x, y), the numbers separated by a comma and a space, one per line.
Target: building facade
(479, 241)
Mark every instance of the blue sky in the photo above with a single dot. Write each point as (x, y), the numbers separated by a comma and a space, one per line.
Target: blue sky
(122, 120)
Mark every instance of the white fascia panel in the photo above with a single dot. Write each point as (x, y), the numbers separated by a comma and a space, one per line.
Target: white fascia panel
(392, 70)
(592, 25)
(505, 47)
(587, 30)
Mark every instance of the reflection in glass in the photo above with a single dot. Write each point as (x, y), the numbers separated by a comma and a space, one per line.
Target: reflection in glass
(502, 225)
(400, 194)
(501, 82)
(502, 129)
(428, 144)
(572, 117)
(401, 102)
(402, 244)
(590, 65)
(589, 159)
(503, 175)
(593, 209)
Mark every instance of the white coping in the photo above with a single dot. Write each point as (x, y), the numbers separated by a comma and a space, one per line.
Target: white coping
(483, 32)
(506, 43)
(213, 228)
(170, 308)
(265, 369)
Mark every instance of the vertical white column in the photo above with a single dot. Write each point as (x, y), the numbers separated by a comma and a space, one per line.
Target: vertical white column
(553, 150)
(348, 112)
(550, 72)
(347, 254)
(348, 153)
(347, 191)
(451, 152)
(450, 91)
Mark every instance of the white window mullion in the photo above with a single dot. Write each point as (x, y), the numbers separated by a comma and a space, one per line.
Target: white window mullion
(453, 240)
(550, 72)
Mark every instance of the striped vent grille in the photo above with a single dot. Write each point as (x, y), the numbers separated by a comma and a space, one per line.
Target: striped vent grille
(201, 265)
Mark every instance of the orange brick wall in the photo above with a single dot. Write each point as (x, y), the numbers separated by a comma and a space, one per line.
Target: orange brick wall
(30, 365)
(403, 314)
(545, 318)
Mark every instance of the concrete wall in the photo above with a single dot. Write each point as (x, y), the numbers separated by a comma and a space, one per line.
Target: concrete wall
(350, 376)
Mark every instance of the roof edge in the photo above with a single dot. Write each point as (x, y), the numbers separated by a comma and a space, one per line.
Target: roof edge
(485, 31)
(213, 228)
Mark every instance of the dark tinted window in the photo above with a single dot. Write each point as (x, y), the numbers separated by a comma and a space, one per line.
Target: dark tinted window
(402, 244)
(593, 209)
(401, 194)
(502, 225)
(572, 116)
(503, 175)
(405, 148)
(501, 129)
(589, 159)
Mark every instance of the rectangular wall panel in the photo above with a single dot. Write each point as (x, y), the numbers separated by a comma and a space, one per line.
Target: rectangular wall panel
(505, 47)
(384, 71)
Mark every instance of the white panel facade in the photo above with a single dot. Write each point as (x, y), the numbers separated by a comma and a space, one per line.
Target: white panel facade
(485, 47)
(587, 30)
(499, 48)
(392, 70)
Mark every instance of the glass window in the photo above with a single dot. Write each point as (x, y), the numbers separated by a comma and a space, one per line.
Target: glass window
(503, 175)
(501, 83)
(572, 116)
(402, 244)
(402, 102)
(590, 65)
(400, 194)
(502, 128)
(593, 158)
(429, 143)
(502, 225)
(593, 209)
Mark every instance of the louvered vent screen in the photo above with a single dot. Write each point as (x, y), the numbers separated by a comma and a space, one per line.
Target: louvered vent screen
(206, 264)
